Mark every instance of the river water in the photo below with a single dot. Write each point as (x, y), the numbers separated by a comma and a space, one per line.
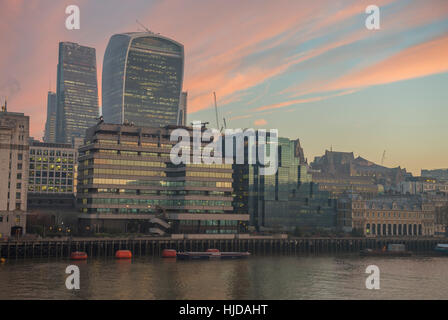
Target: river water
(262, 277)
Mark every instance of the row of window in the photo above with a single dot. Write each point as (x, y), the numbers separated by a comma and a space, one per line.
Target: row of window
(139, 182)
(138, 210)
(50, 174)
(44, 188)
(395, 214)
(123, 172)
(130, 163)
(56, 153)
(154, 202)
(208, 174)
(51, 181)
(158, 192)
(52, 167)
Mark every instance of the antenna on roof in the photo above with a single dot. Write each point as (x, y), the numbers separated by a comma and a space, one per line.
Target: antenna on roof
(143, 26)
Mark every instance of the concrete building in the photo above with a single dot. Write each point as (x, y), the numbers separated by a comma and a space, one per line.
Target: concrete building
(386, 216)
(126, 181)
(439, 174)
(423, 185)
(340, 171)
(14, 135)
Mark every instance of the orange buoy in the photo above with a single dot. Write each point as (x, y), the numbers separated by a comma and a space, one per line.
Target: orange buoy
(212, 250)
(78, 255)
(123, 254)
(169, 253)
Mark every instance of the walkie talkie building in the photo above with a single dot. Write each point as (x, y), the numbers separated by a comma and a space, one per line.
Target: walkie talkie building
(142, 79)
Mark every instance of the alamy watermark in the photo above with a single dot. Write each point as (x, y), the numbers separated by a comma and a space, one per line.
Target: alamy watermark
(261, 146)
(373, 280)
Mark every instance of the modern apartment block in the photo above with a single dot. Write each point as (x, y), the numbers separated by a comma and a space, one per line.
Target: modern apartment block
(50, 125)
(142, 79)
(386, 216)
(14, 135)
(126, 181)
(77, 91)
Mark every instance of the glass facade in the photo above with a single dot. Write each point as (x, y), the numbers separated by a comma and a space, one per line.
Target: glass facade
(77, 91)
(50, 125)
(142, 80)
(285, 200)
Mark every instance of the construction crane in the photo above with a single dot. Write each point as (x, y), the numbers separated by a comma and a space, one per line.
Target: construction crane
(383, 157)
(146, 29)
(216, 111)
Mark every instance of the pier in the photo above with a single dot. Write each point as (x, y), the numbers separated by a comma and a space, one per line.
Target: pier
(152, 246)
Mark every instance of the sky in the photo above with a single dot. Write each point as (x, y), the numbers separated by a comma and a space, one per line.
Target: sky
(310, 69)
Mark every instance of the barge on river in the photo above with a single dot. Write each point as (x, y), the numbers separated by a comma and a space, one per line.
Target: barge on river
(394, 250)
(207, 255)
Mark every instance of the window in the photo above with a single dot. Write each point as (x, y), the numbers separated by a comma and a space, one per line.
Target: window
(19, 156)
(19, 166)
(18, 195)
(19, 176)
(1, 218)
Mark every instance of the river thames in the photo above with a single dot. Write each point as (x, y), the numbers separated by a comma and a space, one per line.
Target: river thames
(258, 277)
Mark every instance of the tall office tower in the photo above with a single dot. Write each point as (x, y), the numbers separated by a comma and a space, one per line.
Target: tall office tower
(142, 79)
(14, 135)
(77, 91)
(50, 125)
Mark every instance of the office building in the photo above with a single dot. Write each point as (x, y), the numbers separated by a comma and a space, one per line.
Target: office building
(285, 200)
(127, 183)
(142, 80)
(52, 173)
(14, 134)
(50, 124)
(77, 91)
(386, 216)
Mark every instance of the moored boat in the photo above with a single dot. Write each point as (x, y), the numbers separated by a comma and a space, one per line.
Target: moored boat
(211, 254)
(442, 248)
(394, 250)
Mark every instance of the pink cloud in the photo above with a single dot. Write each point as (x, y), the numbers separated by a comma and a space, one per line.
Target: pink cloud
(260, 122)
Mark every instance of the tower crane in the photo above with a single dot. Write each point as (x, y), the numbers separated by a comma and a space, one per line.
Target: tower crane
(383, 157)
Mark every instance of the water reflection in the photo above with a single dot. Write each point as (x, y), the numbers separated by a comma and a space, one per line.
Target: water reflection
(313, 277)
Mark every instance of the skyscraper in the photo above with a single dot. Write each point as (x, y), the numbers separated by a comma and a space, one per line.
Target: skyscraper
(142, 79)
(77, 91)
(50, 125)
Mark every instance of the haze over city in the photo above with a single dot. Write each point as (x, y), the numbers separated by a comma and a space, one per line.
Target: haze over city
(311, 69)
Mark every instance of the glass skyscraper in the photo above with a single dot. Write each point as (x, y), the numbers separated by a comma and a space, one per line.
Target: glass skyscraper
(77, 91)
(142, 79)
(50, 125)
